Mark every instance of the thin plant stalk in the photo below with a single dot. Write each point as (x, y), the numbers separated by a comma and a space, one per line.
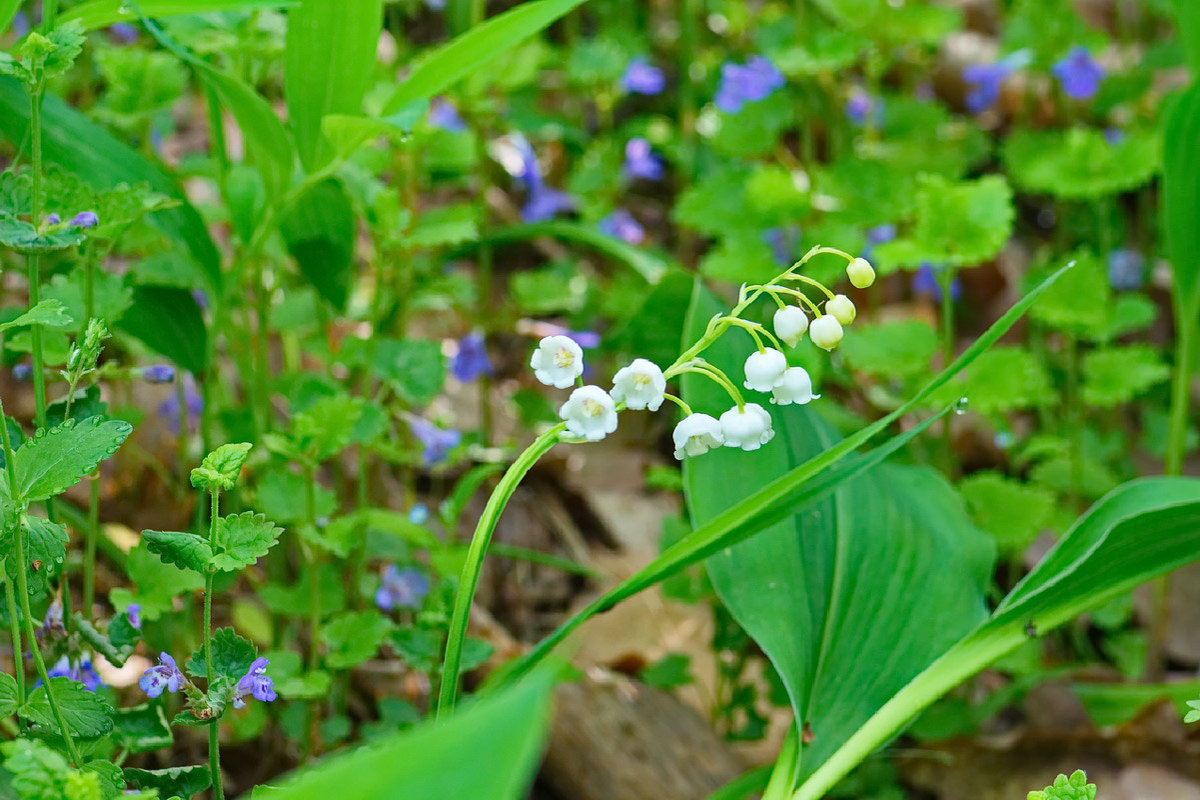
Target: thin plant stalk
(14, 628)
(214, 727)
(23, 592)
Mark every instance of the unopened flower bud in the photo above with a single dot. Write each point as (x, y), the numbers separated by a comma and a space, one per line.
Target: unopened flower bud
(825, 331)
(842, 309)
(861, 273)
(790, 324)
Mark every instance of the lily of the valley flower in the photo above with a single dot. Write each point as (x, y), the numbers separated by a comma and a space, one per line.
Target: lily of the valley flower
(590, 413)
(696, 434)
(842, 308)
(825, 331)
(764, 369)
(639, 385)
(794, 387)
(748, 427)
(558, 361)
(861, 273)
(790, 324)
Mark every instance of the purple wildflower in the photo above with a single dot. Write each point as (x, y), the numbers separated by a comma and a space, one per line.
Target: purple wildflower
(54, 219)
(1114, 135)
(52, 623)
(201, 298)
(435, 5)
(471, 361)
(165, 675)
(85, 219)
(881, 234)
(443, 114)
(123, 32)
(641, 162)
(784, 243)
(255, 683)
(756, 80)
(622, 225)
(926, 281)
(985, 81)
(402, 588)
(158, 373)
(542, 203)
(1079, 73)
(83, 672)
(859, 107)
(20, 24)
(21, 371)
(418, 514)
(642, 77)
(437, 441)
(134, 612)
(1126, 269)
(169, 408)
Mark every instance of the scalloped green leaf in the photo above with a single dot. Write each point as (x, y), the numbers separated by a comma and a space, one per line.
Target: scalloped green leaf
(232, 656)
(172, 781)
(957, 223)
(1116, 375)
(22, 237)
(353, 637)
(1075, 787)
(180, 548)
(242, 539)
(1005, 378)
(893, 349)
(48, 313)
(220, 469)
(56, 459)
(144, 728)
(1014, 513)
(1080, 163)
(87, 714)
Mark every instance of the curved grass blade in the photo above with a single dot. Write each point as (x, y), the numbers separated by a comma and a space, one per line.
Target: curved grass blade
(650, 266)
(102, 13)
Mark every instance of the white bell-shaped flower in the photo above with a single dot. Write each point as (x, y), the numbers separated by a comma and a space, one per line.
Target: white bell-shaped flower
(764, 368)
(639, 385)
(558, 361)
(790, 324)
(842, 309)
(696, 434)
(795, 387)
(590, 413)
(825, 331)
(748, 428)
(861, 273)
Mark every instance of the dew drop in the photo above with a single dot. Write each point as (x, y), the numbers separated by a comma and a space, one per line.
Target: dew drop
(960, 407)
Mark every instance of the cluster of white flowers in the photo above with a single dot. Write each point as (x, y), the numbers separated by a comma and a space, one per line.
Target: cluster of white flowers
(590, 412)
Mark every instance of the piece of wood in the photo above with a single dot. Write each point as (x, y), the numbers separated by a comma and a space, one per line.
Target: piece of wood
(616, 739)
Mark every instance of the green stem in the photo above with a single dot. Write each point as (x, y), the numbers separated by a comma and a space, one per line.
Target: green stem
(14, 628)
(448, 692)
(23, 591)
(787, 767)
(1185, 351)
(946, 279)
(90, 533)
(214, 727)
(34, 261)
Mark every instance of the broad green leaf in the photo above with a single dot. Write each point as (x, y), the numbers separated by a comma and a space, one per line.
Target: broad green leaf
(1014, 513)
(220, 469)
(504, 734)
(324, 429)
(45, 550)
(156, 582)
(37, 770)
(329, 59)
(85, 149)
(102, 13)
(895, 349)
(319, 231)
(87, 714)
(416, 367)
(172, 781)
(8, 695)
(55, 460)
(354, 637)
(1006, 378)
(144, 728)
(180, 548)
(170, 322)
(242, 539)
(232, 656)
(1080, 163)
(48, 313)
(1142, 529)
(782, 497)
(268, 146)
(346, 133)
(797, 587)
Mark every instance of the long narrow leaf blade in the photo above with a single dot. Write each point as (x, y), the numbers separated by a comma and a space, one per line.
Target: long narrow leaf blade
(101, 13)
